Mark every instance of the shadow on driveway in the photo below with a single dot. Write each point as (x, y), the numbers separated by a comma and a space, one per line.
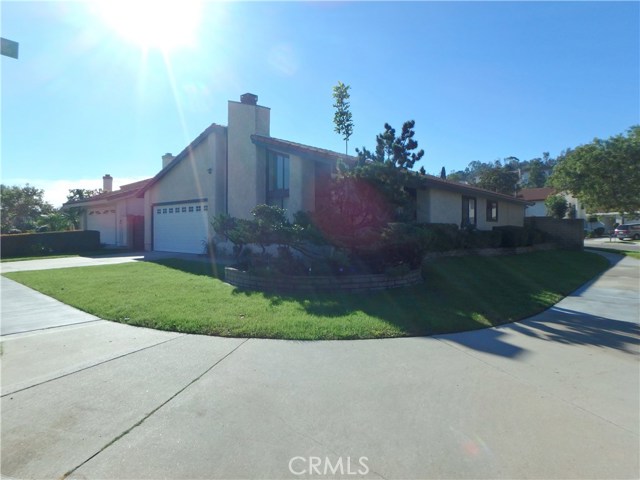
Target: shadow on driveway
(559, 325)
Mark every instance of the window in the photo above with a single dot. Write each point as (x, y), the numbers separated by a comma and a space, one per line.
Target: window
(468, 212)
(198, 208)
(184, 209)
(277, 179)
(205, 208)
(164, 210)
(159, 211)
(492, 211)
(191, 209)
(171, 210)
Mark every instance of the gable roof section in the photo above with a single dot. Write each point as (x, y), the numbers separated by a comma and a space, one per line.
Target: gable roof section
(536, 194)
(307, 151)
(181, 156)
(437, 182)
(315, 153)
(125, 191)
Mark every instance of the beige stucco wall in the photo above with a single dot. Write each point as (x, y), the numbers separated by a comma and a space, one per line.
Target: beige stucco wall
(190, 179)
(442, 206)
(508, 214)
(246, 162)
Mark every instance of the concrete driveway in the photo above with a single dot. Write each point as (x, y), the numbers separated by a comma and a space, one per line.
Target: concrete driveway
(555, 396)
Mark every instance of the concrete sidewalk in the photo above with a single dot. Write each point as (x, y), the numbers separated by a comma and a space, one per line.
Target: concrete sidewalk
(71, 262)
(554, 396)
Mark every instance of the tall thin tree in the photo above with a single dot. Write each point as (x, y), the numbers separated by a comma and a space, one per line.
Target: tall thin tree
(342, 118)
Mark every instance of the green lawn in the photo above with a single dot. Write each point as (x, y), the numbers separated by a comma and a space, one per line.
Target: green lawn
(459, 294)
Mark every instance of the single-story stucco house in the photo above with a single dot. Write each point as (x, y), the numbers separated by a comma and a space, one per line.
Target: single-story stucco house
(233, 168)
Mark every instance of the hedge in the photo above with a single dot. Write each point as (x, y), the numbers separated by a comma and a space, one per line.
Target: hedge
(27, 244)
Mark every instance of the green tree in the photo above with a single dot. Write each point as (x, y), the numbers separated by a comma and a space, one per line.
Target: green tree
(366, 196)
(537, 177)
(604, 174)
(22, 207)
(396, 151)
(73, 214)
(443, 174)
(55, 221)
(342, 117)
(557, 206)
(499, 178)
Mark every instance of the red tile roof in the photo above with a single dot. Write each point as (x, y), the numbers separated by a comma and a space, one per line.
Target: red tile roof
(536, 194)
(125, 191)
(300, 149)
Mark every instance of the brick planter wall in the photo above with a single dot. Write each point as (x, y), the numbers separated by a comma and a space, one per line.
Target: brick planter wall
(347, 283)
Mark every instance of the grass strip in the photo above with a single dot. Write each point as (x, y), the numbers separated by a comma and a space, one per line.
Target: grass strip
(459, 294)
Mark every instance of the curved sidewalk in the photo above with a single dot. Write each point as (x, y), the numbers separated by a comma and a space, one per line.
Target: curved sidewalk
(554, 396)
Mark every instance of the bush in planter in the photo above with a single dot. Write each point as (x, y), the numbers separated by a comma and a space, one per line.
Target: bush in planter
(598, 232)
(482, 239)
(513, 236)
(440, 237)
(286, 263)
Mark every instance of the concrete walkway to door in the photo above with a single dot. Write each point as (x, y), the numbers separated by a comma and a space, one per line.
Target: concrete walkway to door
(554, 396)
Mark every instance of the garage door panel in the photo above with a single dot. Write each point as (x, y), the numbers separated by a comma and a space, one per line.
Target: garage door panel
(180, 227)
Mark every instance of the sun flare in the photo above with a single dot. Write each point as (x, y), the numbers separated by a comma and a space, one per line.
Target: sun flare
(153, 24)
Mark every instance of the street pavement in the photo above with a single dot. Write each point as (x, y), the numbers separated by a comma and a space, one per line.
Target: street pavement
(554, 396)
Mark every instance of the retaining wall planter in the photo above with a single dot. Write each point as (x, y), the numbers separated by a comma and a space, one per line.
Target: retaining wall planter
(347, 283)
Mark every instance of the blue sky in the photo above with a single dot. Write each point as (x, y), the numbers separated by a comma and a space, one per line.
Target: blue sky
(482, 80)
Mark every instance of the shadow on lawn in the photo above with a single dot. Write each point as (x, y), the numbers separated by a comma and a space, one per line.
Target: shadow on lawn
(432, 308)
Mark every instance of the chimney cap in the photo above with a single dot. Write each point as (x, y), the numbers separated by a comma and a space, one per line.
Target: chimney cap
(249, 99)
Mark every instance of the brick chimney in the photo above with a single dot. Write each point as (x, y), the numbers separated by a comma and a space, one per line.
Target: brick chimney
(107, 183)
(249, 99)
(167, 158)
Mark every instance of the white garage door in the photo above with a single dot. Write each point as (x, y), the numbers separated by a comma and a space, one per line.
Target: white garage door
(104, 221)
(180, 227)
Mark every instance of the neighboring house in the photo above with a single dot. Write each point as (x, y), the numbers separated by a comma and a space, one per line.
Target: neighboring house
(443, 201)
(233, 168)
(535, 197)
(118, 216)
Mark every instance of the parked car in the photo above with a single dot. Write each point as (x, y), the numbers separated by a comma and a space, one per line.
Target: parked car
(627, 230)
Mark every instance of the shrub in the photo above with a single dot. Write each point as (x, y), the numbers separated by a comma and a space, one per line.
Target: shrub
(440, 237)
(26, 244)
(482, 239)
(513, 236)
(557, 206)
(598, 232)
